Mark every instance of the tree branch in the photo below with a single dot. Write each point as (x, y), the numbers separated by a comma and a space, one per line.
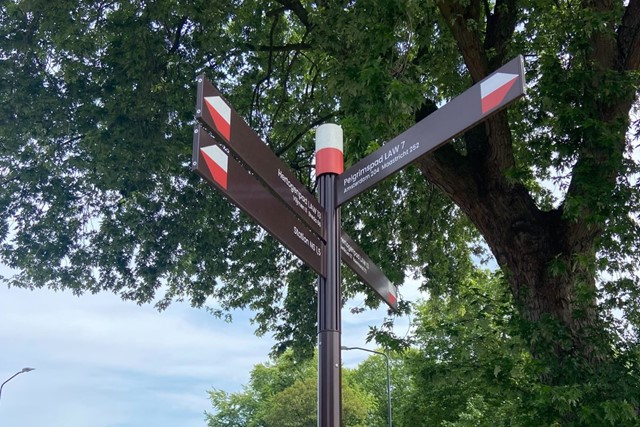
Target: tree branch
(282, 48)
(178, 35)
(500, 27)
(602, 55)
(629, 37)
(256, 90)
(601, 148)
(445, 168)
(489, 146)
(306, 129)
(464, 22)
(296, 7)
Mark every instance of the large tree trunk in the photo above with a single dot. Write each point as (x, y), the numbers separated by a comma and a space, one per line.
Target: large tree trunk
(547, 256)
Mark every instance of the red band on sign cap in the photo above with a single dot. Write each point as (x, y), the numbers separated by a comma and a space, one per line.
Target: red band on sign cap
(329, 151)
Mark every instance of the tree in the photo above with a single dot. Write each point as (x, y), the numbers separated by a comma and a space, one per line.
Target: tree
(285, 393)
(471, 367)
(96, 192)
(370, 375)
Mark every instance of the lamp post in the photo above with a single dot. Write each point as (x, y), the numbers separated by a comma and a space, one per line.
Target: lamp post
(23, 370)
(388, 376)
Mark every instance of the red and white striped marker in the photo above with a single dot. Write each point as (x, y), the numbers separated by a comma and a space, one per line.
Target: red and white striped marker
(392, 295)
(495, 89)
(329, 149)
(218, 164)
(221, 114)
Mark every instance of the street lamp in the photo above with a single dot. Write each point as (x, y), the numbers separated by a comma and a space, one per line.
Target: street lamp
(23, 370)
(388, 376)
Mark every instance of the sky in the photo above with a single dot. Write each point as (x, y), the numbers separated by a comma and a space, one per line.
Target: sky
(103, 362)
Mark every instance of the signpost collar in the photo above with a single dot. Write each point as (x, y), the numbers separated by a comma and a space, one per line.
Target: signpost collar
(329, 149)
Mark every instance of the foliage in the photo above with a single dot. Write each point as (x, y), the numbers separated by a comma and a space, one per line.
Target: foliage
(284, 393)
(370, 375)
(469, 367)
(474, 369)
(96, 192)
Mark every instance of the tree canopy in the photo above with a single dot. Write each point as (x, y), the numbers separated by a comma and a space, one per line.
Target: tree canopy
(472, 367)
(284, 393)
(97, 100)
(468, 366)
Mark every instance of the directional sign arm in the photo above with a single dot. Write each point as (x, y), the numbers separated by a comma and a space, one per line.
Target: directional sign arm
(230, 129)
(370, 273)
(473, 106)
(224, 173)
(215, 113)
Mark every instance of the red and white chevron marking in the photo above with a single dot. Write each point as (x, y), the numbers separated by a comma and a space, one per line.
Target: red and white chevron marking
(495, 89)
(221, 114)
(329, 149)
(218, 164)
(391, 295)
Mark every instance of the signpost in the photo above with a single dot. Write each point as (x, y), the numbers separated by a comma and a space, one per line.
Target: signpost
(329, 164)
(311, 228)
(222, 171)
(473, 106)
(230, 129)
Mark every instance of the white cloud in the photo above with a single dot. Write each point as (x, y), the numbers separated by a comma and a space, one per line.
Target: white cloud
(101, 361)
(104, 362)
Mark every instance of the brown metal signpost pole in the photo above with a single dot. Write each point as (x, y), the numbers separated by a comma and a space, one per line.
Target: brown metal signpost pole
(289, 223)
(329, 164)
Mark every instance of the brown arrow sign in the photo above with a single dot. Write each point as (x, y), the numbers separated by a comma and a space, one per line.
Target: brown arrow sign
(218, 168)
(215, 113)
(362, 265)
(462, 113)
